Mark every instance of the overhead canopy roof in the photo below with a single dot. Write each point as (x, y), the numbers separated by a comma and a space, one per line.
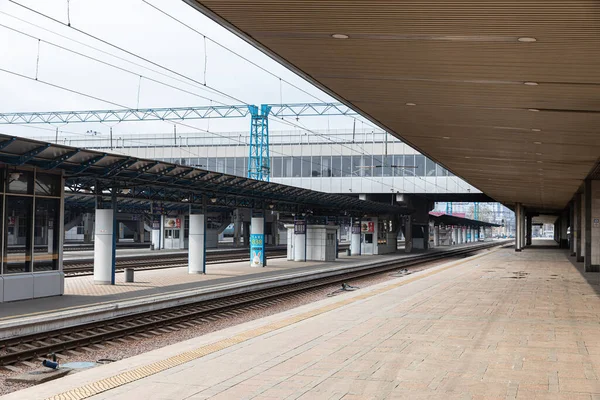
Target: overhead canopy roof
(502, 93)
(88, 171)
(453, 220)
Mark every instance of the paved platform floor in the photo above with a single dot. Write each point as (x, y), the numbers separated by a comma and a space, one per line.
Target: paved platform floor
(82, 292)
(502, 325)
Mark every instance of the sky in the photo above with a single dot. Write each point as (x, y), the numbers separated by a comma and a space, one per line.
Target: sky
(139, 28)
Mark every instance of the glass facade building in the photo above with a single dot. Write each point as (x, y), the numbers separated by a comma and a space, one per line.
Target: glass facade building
(30, 201)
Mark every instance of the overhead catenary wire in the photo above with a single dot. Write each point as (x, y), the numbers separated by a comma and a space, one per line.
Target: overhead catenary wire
(156, 64)
(107, 64)
(62, 87)
(187, 82)
(126, 51)
(241, 56)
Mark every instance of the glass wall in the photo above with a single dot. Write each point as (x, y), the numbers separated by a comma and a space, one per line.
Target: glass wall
(31, 221)
(360, 165)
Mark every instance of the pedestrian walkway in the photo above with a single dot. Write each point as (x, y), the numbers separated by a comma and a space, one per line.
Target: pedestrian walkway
(502, 325)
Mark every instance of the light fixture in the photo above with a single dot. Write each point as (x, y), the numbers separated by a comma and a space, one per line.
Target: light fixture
(537, 142)
(446, 137)
(467, 157)
(530, 83)
(410, 104)
(536, 130)
(538, 154)
(213, 199)
(14, 176)
(271, 206)
(540, 162)
(527, 39)
(533, 110)
(339, 36)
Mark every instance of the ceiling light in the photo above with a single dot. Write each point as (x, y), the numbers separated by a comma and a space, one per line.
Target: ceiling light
(410, 104)
(339, 36)
(527, 39)
(530, 83)
(540, 162)
(536, 130)
(537, 142)
(446, 137)
(538, 154)
(533, 110)
(467, 157)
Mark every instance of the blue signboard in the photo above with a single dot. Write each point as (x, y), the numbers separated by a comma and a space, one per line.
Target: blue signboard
(257, 249)
(468, 235)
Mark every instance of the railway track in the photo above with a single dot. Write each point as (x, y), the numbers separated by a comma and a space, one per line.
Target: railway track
(149, 324)
(77, 268)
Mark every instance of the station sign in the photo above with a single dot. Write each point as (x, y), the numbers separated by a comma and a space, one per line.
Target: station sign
(299, 227)
(173, 223)
(367, 227)
(257, 249)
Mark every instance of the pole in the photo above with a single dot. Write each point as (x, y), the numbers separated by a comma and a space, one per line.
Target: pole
(111, 142)
(56, 138)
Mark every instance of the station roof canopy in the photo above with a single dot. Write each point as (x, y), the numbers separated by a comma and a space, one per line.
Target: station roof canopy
(452, 220)
(502, 93)
(90, 172)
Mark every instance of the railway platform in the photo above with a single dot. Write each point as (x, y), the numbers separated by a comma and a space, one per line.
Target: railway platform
(84, 301)
(498, 325)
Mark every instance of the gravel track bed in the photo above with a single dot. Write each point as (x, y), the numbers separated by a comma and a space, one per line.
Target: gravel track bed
(117, 350)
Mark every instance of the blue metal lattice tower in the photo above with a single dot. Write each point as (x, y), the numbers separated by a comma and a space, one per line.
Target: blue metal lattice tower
(476, 211)
(259, 162)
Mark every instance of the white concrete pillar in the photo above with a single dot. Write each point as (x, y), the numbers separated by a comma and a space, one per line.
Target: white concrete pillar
(355, 244)
(257, 242)
(300, 247)
(197, 244)
(464, 235)
(290, 243)
(436, 236)
(104, 243)
(518, 227)
(155, 237)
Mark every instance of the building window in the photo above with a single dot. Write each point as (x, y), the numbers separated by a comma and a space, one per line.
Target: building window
(46, 234)
(399, 165)
(306, 167)
(336, 166)
(287, 164)
(430, 168)
(346, 166)
(296, 167)
(47, 185)
(326, 166)
(230, 166)
(20, 182)
(419, 164)
(17, 233)
(440, 171)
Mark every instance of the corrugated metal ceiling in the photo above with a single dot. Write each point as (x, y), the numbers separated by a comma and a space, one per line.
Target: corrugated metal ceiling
(517, 118)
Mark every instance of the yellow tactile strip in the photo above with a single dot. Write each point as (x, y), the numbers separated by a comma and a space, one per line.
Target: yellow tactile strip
(94, 388)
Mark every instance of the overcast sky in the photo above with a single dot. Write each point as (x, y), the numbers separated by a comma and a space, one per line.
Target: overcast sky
(139, 28)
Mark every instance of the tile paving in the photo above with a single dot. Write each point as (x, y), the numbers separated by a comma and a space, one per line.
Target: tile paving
(503, 326)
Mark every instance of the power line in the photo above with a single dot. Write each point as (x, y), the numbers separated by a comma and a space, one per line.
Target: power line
(126, 51)
(202, 87)
(107, 63)
(240, 56)
(62, 87)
